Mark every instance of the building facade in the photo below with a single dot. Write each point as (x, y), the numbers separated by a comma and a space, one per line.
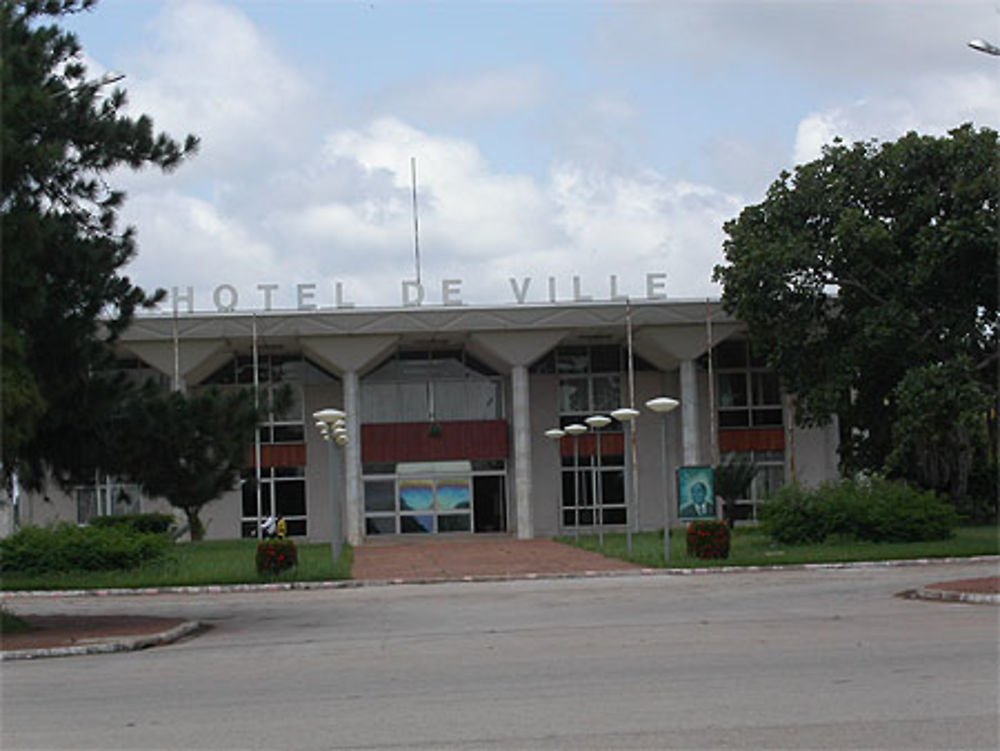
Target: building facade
(447, 409)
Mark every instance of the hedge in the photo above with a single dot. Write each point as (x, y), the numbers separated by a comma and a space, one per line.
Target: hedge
(67, 547)
(143, 523)
(872, 510)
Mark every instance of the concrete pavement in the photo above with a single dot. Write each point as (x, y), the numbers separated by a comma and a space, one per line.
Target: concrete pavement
(464, 559)
(788, 658)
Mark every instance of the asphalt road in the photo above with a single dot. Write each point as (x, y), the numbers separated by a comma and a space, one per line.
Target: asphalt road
(797, 659)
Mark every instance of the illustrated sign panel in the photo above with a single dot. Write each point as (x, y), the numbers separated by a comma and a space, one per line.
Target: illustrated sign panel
(696, 493)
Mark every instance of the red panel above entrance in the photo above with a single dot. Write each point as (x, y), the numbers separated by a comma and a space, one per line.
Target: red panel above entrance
(752, 439)
(612, 444)
(282, 455)
(424, 441)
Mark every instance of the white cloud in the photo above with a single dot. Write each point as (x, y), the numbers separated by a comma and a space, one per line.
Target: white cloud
(213, 73)
(930, 105)
(815, 132)
(848, 39)
(476, 225)
(745, 166)
(462, 202)
(482, 95)
(186, 241)
(285, 192)
(644, 223)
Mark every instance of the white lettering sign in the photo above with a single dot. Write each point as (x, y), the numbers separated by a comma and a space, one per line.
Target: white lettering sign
(520, 293)
(304, 294)
(415, 287)
(310, 296)
(339, 287)
(225, 292)
(451, 291)
(267, 289)
(613, 293)
(188, 297)
(656, 286)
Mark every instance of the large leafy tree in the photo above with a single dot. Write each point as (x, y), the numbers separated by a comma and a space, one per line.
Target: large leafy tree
(187, 447)
(64, 294)
(868, 279)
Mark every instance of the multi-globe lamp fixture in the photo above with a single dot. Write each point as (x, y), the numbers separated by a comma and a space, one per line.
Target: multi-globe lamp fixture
(332, 425)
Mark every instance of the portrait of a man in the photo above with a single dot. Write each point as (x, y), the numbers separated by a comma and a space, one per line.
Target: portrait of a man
(696, 493)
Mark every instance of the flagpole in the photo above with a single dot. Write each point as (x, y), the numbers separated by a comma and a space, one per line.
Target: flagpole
(632, 448)
(256, 430)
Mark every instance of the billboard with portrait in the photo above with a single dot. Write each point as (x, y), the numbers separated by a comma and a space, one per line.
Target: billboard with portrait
(696, 493)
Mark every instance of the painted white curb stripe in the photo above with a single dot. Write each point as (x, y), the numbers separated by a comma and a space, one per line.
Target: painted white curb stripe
(129, 644)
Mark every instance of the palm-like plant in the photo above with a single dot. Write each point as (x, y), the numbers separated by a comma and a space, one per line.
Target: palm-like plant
(733, 479)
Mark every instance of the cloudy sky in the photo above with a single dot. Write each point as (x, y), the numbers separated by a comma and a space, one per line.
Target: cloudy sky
(551, 139)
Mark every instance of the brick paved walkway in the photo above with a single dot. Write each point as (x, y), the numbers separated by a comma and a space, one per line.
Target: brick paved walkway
(983, 585)
(451, 559)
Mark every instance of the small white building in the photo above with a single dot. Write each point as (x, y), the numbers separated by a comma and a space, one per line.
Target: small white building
(447, 409)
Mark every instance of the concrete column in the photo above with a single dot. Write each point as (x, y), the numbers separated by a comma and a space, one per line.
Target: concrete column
(353, 492)
(690, 408)
(521, 420)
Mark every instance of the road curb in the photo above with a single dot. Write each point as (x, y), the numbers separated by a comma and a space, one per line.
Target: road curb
(946, 595)
(128, 644)
(132, 644)
(586, 574)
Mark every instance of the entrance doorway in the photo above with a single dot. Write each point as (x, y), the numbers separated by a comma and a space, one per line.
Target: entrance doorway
(436, 498)
(489, 503)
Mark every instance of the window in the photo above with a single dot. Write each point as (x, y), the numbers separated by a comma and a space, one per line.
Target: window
(110, 498)
(769, 479)
(282, 493)
(280, 378)
(591, 381)
(431, 386)
(749, 393)
(593, 495)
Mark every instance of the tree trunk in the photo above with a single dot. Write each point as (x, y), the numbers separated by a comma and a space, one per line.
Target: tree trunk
(195, 527)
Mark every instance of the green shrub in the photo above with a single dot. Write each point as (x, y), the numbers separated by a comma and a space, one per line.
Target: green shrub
(708, 539)
(276, 556)
(900, 513)
(846, 507)
(150, 524)
(870, 509)
(66, 547)
(794, 516)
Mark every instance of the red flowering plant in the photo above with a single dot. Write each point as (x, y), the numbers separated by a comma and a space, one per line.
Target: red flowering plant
(708, 539)
(274, 557)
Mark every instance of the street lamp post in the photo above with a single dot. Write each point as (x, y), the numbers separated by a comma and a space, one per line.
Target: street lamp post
(555, 434)
(983, 46)
(576, 430)
(664, 405)
(625, 415)
(596, 422)
(331, 424)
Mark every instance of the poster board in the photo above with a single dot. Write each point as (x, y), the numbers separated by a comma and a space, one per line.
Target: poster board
(696, 493)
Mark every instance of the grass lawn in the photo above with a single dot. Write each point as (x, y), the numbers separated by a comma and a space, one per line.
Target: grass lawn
(194, 564)
(751, 548)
